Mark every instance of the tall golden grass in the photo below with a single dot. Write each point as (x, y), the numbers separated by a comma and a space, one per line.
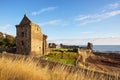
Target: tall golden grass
(27, 69)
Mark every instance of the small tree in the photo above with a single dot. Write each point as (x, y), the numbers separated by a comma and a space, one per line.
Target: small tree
(6, 41)
(9, 41)
(1, 40)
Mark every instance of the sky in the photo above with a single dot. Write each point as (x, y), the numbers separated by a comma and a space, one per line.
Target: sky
(64, 19)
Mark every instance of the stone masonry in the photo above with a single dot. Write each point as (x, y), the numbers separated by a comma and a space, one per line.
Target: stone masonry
(30, 40)
(84, 53)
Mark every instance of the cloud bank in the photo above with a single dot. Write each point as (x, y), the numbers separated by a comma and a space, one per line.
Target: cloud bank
(95, 41)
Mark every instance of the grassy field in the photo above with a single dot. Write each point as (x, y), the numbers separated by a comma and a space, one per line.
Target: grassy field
(27, 69)
(68, 57)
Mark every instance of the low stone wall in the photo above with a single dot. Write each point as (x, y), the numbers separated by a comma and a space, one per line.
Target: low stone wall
(69, 46)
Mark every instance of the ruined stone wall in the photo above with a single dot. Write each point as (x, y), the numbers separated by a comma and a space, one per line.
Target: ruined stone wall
(84, 54)
(45, 46)
(52, 45)
(69, 46)
(36, 39)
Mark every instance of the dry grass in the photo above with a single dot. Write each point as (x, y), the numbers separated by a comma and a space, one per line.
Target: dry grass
(20, 70)
(26, 69)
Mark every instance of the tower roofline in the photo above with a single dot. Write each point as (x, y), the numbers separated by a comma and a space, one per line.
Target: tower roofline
(25, 14)
(25, 20)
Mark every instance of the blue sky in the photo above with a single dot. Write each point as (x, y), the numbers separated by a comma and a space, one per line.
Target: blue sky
(64, 19)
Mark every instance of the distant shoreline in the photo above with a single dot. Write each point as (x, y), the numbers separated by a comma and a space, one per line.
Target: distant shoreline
(108, 52)
(107, 48)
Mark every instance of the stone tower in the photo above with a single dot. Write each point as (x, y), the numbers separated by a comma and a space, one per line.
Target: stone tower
(30, 40)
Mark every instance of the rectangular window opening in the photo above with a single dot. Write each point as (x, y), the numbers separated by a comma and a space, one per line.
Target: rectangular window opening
(22, 34)
(22, 43)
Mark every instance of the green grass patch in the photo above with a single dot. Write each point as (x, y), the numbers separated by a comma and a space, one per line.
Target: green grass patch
(63, 49)
(70, 62)
(67, 57)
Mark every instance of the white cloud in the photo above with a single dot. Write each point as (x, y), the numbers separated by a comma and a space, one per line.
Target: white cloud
(82, 17)
(55, 22)
(108, 11)
(43, 10)
(51, 22)
(86, 32)
(85, 19)
(8, 28)
(5, 27)
(114, 5)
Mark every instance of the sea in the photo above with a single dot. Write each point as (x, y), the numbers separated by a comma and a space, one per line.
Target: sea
(107, 48)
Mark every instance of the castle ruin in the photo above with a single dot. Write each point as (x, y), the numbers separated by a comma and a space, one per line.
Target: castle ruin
(29, 38)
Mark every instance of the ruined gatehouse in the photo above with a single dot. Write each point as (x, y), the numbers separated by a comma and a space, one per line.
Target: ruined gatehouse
(29, 38)
(84, 53)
